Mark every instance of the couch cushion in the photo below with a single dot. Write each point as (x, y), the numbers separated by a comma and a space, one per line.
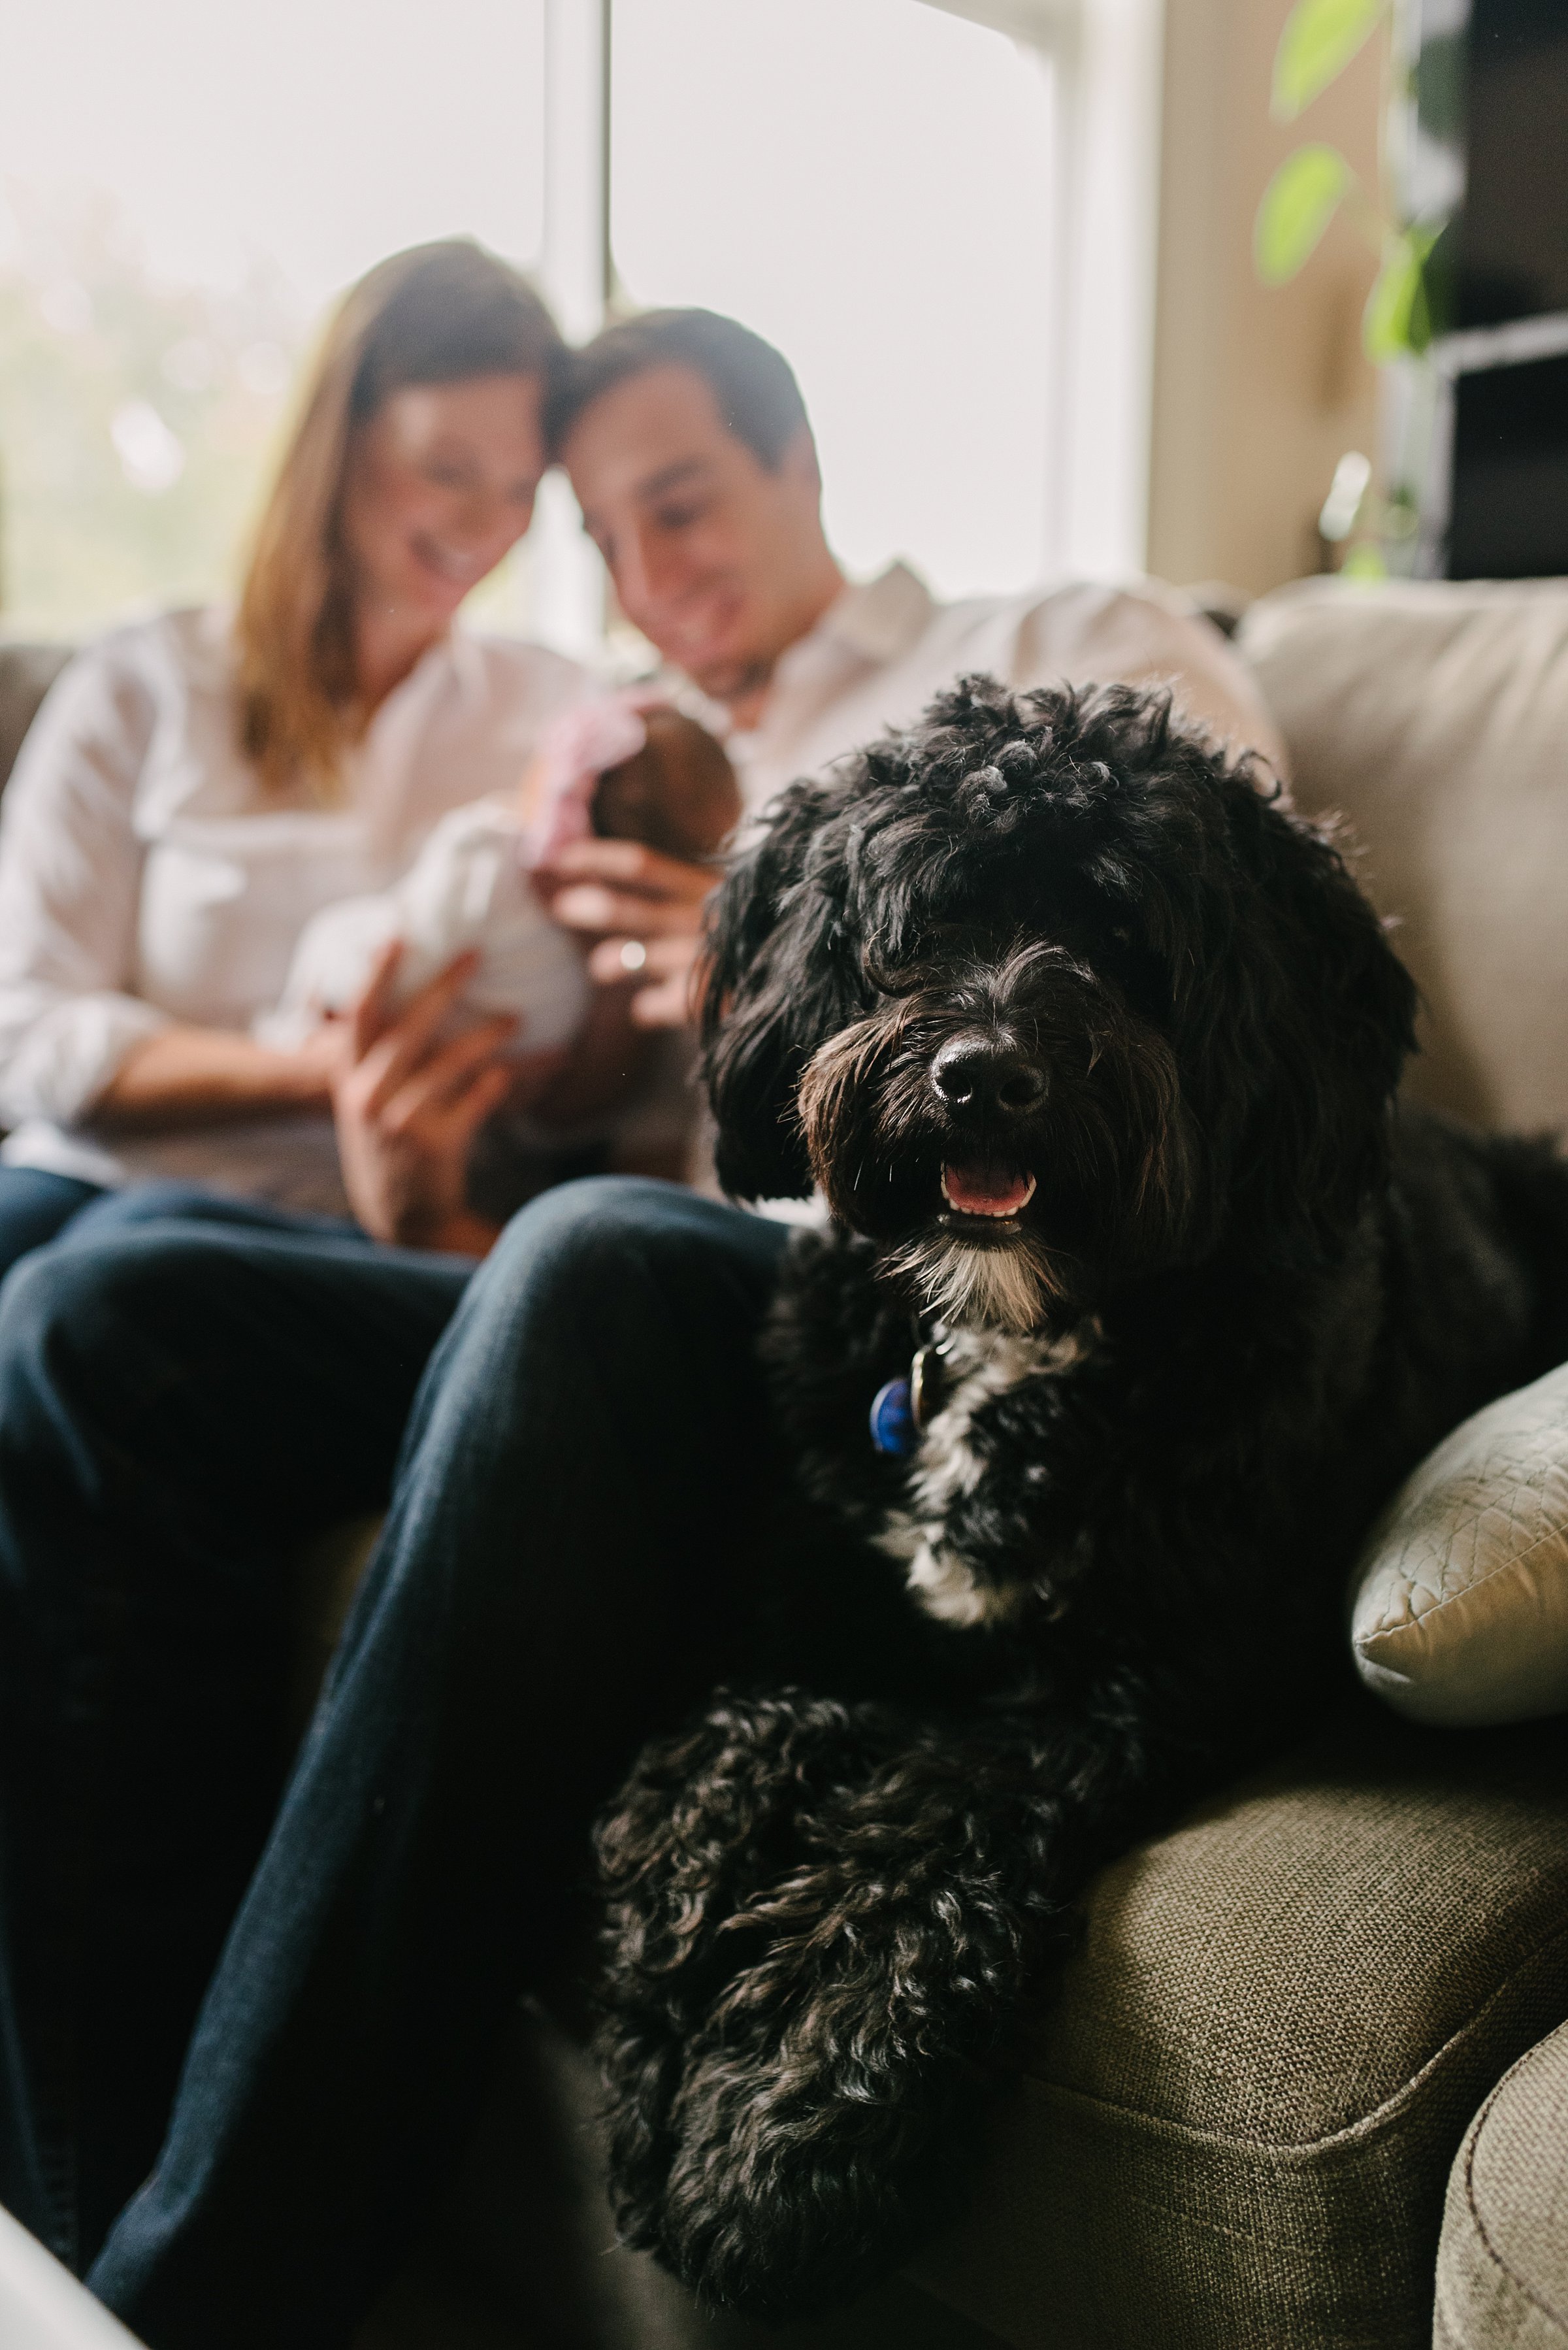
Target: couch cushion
(1236, 2126)
(1437, 716)
(1502, 2266)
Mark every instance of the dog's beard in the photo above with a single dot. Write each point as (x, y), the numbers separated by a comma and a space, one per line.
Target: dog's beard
(1010, 1287)
(1110, 1145)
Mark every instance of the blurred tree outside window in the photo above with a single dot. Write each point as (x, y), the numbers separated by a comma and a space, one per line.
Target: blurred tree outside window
(184, 190)
(138, 419)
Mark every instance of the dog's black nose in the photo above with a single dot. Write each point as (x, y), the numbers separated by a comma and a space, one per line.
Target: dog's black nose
(981, 1074)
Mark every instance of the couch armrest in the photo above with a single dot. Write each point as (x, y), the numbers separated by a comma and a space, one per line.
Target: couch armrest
(1502, 2263)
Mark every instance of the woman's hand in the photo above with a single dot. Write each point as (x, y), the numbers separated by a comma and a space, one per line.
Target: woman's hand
(409, 1100)
(627, 897)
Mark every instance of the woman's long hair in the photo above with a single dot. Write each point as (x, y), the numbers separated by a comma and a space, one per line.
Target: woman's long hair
(437, 314)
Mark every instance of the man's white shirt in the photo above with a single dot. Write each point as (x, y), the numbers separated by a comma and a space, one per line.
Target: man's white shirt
(883, 648)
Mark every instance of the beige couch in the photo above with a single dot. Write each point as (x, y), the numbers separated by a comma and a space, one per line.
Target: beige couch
(1235, 2128)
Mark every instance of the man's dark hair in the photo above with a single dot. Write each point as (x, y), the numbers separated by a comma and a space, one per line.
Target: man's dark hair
(753, 385)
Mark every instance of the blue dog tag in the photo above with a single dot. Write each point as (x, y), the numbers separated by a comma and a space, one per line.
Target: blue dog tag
(893, 1418)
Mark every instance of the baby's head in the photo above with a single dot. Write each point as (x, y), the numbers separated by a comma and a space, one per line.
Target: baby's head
(678, 794)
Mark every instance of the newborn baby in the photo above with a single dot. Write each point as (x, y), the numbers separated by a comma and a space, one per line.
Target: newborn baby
(624, 773)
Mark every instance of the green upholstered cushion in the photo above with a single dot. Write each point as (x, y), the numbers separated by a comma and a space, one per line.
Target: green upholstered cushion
(1502, 2266)
(1236, 2126)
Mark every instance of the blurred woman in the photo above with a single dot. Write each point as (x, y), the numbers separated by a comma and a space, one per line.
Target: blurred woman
(198, 785)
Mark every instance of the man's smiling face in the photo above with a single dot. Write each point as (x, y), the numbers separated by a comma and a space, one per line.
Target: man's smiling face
(717, 557)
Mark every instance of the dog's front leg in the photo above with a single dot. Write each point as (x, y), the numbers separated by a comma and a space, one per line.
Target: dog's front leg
(710, 1820)
(798, 2116)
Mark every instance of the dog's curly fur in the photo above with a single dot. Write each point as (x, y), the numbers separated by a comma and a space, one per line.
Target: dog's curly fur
(1243, 1299)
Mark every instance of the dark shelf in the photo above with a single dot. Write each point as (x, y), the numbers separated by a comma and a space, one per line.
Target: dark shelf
(1510, 514)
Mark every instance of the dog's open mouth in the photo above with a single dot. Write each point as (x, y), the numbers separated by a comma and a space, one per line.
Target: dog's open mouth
(984, 1192)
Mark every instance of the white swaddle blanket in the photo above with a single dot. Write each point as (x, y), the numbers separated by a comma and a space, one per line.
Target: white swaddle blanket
(468, 887)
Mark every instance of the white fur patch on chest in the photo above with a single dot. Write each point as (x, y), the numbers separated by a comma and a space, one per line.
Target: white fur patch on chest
(946, 1467)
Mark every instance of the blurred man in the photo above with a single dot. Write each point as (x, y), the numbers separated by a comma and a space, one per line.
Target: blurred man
(692, 455)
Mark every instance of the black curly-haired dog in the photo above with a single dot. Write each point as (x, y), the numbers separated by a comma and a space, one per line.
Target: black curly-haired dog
(1091, 1048)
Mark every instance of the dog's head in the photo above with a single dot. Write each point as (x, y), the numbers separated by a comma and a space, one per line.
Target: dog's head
(1047, 997)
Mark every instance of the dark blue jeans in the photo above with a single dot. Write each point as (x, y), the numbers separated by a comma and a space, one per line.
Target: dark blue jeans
(34, 1206)
(575, 1443)
(37, 1207)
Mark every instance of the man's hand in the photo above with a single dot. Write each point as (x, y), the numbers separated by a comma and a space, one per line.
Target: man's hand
(409, 1099)
(645, 912)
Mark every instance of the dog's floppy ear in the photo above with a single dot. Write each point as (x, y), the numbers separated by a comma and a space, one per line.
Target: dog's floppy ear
(782, 973)
(1308, 1038)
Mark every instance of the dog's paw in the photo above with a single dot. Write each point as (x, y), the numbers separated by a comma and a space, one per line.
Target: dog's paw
(711, 1820)
(804, 2171)
(788, 2137)
(710, 1815)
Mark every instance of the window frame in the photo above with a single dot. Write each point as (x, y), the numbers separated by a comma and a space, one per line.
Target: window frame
(1106, 56)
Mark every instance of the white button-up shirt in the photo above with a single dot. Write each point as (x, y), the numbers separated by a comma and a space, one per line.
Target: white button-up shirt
(147, 877)
(880, 651)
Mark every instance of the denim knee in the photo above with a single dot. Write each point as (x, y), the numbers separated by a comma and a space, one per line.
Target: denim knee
(94, 1318)
(51, 1306)
(593, 1289)
(582, 1220)
(595, 1253)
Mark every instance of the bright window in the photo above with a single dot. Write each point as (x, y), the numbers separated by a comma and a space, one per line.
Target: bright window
(868, 183)
(186, 184)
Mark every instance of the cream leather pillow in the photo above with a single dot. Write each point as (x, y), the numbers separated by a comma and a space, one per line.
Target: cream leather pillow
(1459, 1613)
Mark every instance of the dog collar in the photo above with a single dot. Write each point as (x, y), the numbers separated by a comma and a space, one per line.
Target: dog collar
(901, 1408)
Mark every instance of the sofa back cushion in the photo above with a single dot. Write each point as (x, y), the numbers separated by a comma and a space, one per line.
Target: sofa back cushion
(1436, 716)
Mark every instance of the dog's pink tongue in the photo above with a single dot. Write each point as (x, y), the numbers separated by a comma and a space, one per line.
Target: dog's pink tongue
(986, 1191)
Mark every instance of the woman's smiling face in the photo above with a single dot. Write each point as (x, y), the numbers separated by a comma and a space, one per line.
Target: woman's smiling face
(440, 483)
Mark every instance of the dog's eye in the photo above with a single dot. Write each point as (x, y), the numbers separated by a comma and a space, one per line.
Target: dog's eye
(882, 975)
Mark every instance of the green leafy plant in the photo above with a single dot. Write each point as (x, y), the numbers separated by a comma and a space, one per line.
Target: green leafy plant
(1315, 181)
(1319, 40)
(137, 420)
(1298, 204)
